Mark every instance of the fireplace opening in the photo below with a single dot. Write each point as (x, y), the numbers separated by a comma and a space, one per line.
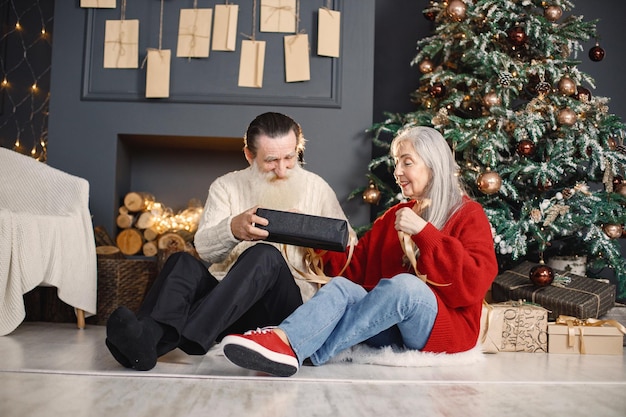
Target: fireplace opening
(175, 169)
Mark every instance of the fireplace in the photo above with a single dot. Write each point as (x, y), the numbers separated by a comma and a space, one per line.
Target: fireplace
(175, 169)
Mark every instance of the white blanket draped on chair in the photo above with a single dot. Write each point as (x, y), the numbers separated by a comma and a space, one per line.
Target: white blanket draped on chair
(46, 237)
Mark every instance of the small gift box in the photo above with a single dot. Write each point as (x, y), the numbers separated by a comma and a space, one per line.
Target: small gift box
(572, 295)
(592, 337)
(305, 230)
(514, 326)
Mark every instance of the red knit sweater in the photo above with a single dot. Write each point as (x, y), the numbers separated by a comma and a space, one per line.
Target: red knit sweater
(461, 254)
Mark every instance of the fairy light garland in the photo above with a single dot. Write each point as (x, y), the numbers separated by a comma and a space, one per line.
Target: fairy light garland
(25, 76)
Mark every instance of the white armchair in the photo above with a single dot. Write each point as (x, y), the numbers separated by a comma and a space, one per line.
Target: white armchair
(46, 238)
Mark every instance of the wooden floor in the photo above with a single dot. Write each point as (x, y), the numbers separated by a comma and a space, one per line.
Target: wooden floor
(54, 369)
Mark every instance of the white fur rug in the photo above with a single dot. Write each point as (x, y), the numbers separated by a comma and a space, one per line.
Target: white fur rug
(388, 356)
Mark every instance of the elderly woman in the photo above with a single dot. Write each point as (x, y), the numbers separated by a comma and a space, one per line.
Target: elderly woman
(385, 297)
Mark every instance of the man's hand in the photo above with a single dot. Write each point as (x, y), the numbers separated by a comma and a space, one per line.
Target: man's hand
(244, 227)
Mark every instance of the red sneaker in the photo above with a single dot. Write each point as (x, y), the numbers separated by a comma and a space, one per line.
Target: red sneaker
(261, 350)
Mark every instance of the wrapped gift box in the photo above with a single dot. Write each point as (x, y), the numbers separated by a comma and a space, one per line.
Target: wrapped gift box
(578, 336)
(582, 297)
(305, 230)
(514, 326)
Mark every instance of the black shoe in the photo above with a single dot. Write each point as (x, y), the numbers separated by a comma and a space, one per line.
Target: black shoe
(130, 342)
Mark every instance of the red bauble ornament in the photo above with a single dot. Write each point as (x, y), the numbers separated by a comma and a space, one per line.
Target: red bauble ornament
(617, 182)
(596, 54)
(541, 275)
(437, 90)
(517, 36)
(526, 147)
(621, 188)
(582, 94)
(430, 16)
(545, 186)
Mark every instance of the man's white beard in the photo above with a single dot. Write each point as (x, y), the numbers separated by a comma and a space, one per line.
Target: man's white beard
(279, 194)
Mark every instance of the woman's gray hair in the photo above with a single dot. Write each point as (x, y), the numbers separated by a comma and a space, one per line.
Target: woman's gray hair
(444, 189)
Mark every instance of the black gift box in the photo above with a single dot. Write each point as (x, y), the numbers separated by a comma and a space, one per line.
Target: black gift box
(305, 230)
(582, 297)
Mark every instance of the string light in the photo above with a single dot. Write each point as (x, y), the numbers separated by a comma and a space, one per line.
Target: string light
(27, 95)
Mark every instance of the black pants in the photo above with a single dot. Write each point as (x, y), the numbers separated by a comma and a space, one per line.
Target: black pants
(196, 310)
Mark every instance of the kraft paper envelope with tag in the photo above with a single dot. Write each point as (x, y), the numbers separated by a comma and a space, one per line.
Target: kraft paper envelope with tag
(158, 73)
(121, 44)
(225, 27)
(251, 64)
(328, 32)
(98, 4)
(194, 33)
(297, 66)
(278, 16)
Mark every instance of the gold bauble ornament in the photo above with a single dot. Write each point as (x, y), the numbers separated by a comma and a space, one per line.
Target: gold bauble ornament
(456, 10)
(491, 99)
(613, 230)
(426, 66)
(567, 86)
(611, 143)
(489, 182)
(552, 13)
(371, 195)
(566, 117)
(621, 188)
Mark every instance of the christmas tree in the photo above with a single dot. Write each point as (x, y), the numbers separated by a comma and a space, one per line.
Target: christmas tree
(545, 158)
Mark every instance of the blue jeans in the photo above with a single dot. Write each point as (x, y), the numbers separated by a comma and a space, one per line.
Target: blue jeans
(399, 311)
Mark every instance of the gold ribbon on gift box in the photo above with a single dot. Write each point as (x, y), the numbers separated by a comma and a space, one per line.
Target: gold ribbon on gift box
(598, 298)
(572, 323)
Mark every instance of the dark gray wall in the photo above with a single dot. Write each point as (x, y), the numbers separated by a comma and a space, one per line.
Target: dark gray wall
(400, 24)
(84, 133)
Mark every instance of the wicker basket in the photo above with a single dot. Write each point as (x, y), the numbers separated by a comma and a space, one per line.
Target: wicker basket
(122, 282)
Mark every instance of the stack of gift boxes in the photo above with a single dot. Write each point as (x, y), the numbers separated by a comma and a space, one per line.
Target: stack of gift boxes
(567, 316)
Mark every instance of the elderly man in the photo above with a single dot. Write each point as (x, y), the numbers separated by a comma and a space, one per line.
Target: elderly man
(249, 284)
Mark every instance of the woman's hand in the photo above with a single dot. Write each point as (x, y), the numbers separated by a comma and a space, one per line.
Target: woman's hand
(409, 222)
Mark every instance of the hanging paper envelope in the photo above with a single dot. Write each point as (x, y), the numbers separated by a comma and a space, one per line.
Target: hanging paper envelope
(98, 4)
(158, 73)
(225, 27)
(297, 66)
(278, 16)
(121, 44)
(194, 33)
(328, 32)
(251, 64)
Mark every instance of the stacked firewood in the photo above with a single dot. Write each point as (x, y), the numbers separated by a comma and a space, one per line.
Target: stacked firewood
(148, 228)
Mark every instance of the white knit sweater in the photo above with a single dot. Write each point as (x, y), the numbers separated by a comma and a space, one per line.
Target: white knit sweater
(235, 192)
